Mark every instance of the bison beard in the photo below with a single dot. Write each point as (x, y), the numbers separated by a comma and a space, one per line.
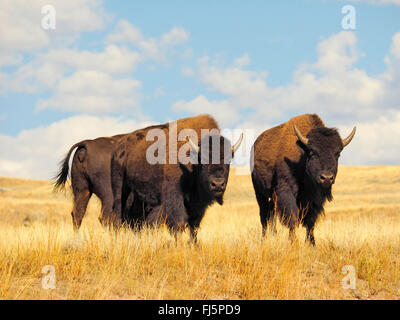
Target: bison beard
(293, 168)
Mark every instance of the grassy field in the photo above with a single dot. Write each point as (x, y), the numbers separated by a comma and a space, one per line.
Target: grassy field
(361, 228)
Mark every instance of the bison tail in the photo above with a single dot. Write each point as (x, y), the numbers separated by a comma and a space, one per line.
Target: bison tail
(61, 178)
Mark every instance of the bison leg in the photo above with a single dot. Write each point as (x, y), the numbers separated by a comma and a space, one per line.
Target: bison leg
(81, 200)
(310, 236)
(134, 213)
(117, 184)
(267, 211)
(193, 234)
(158, 216)
(176, 213)
(288, 209)
(195, 215)
(194, 228)
(106, 207)
(271, 216)
(309, 223)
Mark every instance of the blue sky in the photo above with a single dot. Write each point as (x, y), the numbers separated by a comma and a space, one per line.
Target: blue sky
(113, 66)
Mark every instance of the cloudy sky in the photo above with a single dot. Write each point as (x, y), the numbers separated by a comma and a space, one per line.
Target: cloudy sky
(113, 66)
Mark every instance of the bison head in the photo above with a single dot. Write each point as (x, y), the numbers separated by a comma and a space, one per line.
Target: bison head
(322, 147)
(211, 170)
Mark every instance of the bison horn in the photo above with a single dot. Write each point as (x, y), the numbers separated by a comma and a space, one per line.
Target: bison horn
(195, 147)
(302, 138)
(237, 144)
(349, 138)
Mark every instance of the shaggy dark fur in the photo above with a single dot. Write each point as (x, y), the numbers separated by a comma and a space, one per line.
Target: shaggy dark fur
(174, 194)
(205, 185)
(185, 193)
(90, 173)
(127, 158)
(290, 177)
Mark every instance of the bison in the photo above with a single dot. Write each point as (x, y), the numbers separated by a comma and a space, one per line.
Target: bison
(127, 164)
(294, 166)
(173, 193)
(90, 173)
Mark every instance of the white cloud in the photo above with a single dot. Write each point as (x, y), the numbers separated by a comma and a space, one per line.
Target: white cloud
(16, 18)
(79, 15)
(153, 48)
(113, 59)
(23, 80)
(7, 59)
(56, 69)
(246, 88)
(47, 69)
(221, 110)
(125, 32)
(395, 49)
(174, 37)
(20, 22)
(242, 61)
(90, 81)
(375, 142)
(36, 153)
(93, 92)
(187, 72)
(332, 86)
(337, 53)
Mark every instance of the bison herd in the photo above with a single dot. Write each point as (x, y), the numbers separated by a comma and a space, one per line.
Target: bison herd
(170, 173)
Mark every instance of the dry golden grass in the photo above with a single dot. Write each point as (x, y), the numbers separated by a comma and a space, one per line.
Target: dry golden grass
(361, 228)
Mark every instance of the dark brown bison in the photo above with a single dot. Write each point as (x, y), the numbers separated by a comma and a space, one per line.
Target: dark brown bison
(173, 193)
(128, 164)
(293, 168)
(90, 173)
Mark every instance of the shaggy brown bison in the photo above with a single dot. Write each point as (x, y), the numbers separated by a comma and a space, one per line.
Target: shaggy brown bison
(171, 192)
(293, 168)
(90, 173)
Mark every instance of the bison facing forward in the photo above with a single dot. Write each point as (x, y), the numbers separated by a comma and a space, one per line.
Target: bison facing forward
(176, 194)
(186, 192)
(294, 166)
(133, 174)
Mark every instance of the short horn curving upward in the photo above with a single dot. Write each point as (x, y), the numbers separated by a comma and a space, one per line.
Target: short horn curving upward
(349, 138)
(302, 138)
(237, 144)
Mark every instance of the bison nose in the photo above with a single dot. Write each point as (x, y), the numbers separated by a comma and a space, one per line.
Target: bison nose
(217, 184)
(326, 178)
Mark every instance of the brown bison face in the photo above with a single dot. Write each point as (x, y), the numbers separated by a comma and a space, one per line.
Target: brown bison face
(213, 179)
(214, 157)
(322, 148)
